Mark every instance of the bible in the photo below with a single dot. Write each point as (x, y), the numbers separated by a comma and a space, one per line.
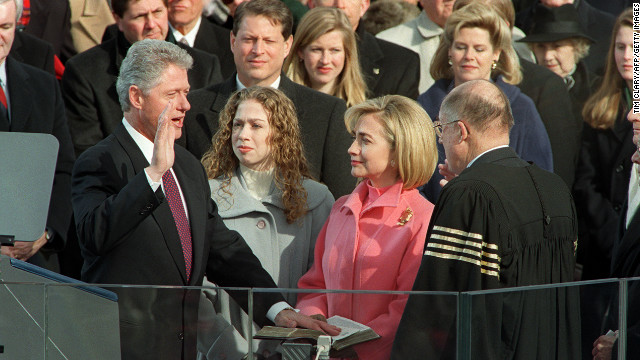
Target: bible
(352, 332)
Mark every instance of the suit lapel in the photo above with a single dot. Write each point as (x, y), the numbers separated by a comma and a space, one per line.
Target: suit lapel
(203, 39)
(20, 98)
(288, 87)
(224, 93)
(162, 215)
(369, 53)
(17, 44)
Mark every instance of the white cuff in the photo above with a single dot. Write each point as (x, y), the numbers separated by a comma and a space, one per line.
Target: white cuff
(276, 308)
(154, 184)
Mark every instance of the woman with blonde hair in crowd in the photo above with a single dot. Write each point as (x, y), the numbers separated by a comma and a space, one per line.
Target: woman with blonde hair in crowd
(324, 56)
(604, 166)
(374, 237)
(476, 44)
(259, 179)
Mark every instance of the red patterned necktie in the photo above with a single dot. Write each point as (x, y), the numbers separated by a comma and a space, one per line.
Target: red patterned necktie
(3, 97)
(4, 113)
(172, 193)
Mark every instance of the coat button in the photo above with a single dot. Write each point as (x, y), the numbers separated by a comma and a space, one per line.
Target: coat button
(547, 219)
(261, 224)
(619, 168)
(617, 207)
(181, 336)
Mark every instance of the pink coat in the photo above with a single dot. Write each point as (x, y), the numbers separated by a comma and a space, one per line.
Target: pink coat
(368, 250)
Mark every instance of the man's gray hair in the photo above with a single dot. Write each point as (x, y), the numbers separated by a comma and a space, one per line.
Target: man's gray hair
(480, 103)
(18, 8)
(144, 65)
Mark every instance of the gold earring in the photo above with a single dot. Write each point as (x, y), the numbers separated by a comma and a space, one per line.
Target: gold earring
(494, 65)
(450, 62)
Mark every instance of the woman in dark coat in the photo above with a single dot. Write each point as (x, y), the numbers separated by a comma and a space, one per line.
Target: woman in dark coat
(603, 171)
(476, 44)
(602, 176)
(560, 44)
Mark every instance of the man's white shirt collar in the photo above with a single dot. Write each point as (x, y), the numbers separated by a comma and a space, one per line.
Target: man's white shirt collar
(240, 85)
(145, 145)
(190, 37)
(477, 157)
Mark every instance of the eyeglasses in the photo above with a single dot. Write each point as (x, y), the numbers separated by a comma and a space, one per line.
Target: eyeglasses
(437, 125)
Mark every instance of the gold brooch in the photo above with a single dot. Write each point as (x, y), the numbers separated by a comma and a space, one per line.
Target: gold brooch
(405, 217)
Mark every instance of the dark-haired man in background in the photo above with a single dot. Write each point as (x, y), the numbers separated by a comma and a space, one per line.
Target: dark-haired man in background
(260, 41)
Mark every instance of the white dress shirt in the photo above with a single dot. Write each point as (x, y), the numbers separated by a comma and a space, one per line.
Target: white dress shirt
(188, 38)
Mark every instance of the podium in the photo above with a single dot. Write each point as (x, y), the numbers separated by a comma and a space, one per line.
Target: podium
(44, 315)
(43, 319)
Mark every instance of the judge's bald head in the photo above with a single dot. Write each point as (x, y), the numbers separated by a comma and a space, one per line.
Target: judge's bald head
(481, 104)
(475, 117)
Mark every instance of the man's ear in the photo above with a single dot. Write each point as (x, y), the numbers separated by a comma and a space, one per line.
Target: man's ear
(464, 130)
(364, 7)
(118, 20)
(287, 45)
(136, 97)
(311, 4)
(232, 40)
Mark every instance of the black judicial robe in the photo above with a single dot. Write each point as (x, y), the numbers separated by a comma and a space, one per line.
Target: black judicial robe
(501, 223)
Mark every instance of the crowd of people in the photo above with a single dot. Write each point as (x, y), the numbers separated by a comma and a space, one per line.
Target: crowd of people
(436, 145)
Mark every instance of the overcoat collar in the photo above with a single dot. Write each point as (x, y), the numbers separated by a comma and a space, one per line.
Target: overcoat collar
(426, 27)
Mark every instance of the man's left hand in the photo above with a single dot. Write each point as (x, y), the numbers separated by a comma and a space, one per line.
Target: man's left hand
(448, 175)
(603, 347)
(291, 319)
(23, 250)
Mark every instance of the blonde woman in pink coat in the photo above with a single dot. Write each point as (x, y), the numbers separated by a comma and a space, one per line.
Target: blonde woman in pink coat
(374, 237)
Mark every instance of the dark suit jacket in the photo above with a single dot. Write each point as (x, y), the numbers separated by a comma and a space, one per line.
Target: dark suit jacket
(387, 68)
(324, 136)
(51, 21)
(89, 88)
(30, 50)
(128, 236)
(549, 94)
(37, 107)
(215, 39)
